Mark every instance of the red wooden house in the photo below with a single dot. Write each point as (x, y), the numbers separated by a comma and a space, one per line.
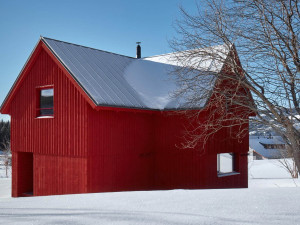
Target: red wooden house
(85, 120)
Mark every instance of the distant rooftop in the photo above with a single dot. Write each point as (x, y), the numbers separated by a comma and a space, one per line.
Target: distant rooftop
(262, 145)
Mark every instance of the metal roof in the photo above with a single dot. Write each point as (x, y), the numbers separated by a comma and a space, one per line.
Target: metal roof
(115, 80)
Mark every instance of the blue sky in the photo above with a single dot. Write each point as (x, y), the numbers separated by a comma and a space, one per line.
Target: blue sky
(111, 25)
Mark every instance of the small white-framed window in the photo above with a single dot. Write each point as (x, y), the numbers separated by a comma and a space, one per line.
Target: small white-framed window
(45, 101)
(225, 163)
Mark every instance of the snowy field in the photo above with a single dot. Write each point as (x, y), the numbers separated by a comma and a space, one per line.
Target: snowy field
(268, 174)
(272, 198)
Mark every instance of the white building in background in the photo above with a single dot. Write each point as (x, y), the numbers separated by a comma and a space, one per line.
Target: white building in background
(270, 147)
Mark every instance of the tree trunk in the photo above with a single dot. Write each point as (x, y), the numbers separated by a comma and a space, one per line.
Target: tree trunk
(296, 154)
(295, 144)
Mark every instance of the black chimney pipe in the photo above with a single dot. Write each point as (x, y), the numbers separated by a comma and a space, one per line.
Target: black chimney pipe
(138, 50)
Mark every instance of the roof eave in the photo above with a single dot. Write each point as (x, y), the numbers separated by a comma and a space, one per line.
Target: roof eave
(5, 104)
(145, 110)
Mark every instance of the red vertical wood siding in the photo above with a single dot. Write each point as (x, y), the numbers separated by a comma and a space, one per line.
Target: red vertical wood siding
(56, 175)
(190, 168)
(121, 150)
(139, 151)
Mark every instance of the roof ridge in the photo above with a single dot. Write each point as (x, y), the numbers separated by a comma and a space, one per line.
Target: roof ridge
(170, 53)
(87, 47)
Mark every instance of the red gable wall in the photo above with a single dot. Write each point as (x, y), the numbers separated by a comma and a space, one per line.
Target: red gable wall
(63, 138)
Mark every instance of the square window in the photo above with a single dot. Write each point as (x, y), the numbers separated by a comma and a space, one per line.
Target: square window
(225, 163)
(45, 104)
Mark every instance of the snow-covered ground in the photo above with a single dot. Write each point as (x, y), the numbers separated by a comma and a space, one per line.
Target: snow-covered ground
(5, 182)
(231, 206)
(5, 189)
(268, 174)
(272, 198)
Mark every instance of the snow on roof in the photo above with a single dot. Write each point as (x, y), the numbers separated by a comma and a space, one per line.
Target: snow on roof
(152, 82)
(115, 80)
(206, 59)
(255, 143)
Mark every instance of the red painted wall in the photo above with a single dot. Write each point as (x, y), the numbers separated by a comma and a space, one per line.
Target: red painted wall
(121, 148)
(84, 150)
(56, 175)
(140, 151)
(190, 168)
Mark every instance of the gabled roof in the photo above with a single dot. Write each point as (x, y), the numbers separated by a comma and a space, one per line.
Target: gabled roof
(120, 81)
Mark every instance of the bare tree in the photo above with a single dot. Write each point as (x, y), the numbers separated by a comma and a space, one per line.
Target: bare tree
(289, 166)
(6, 157)
(265, 34)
